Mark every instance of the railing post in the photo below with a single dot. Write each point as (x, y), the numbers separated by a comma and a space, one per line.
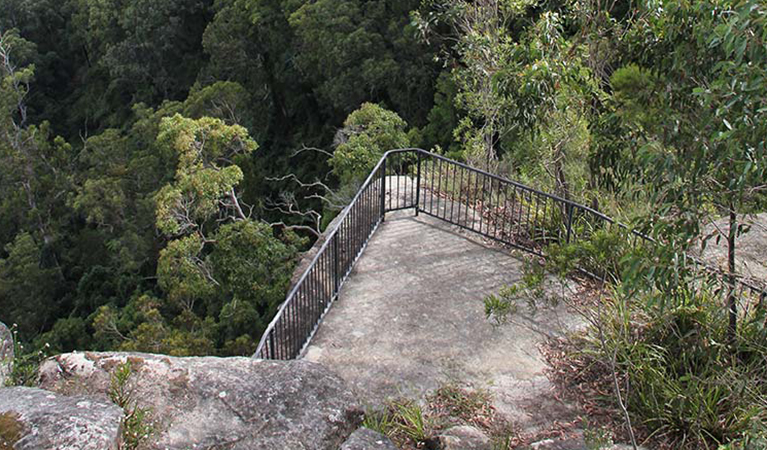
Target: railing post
(569, 221)
(418, 185)
(336, 281)
(383, 190)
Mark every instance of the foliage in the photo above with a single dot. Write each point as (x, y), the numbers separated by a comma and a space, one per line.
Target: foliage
(137, 426)
(684, 386)
(135, 209)
(26, 362)
(456, 403)
(26, 287)
(597, 438)
(368, 133)
(351, 49)
(413, 425)
(530, 289)
(404, 421)
(11, 430)
(412, 422)
(602, 255)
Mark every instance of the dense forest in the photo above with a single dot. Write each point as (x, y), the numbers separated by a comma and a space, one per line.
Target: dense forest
(164, 163)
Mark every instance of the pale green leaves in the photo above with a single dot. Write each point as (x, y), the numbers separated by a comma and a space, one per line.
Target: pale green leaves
(182, 274)
(205, 176)
(369, 132)
(204, 142)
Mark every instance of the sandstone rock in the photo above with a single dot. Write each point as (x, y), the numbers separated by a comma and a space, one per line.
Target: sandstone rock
(367, 439)
(562, 443)
(33, 419)
(208, 402)
(750, 248)
(6, 354)
(575, 441)
(464, 437)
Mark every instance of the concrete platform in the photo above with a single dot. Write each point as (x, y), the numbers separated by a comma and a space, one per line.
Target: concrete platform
(411, 318)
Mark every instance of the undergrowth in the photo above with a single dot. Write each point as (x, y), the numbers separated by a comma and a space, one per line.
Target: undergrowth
(684, 386)
(655, 361)
(137, 425)
(498, 307)
(411, 425)
(26, 361)
(10, 431)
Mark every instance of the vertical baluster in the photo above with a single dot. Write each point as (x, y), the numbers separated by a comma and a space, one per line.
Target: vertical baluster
(431, 183)
(297, 323)
(383, 190)
(293, 328)
(336, 262)
(546, 219)
(520, 211)
(418, 184)
(451, 188)
(535, 219)
(396, 168)
(353, 242)
(288, 328)
(469, 205)
(365, 214)
(460, 194)
(346, 252)
(438, 194)
(470, 200)
(480, 199)
(329, 280)
(495, 204)
(569, 219)
(513, 212)
(280, 338)
(304, 309)
(504, 212)
(529, 212)
(369, 211)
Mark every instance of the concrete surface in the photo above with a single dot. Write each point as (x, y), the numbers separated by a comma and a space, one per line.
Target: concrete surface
(411, 318)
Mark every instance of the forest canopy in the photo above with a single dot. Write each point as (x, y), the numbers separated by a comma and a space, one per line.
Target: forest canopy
(149, 150)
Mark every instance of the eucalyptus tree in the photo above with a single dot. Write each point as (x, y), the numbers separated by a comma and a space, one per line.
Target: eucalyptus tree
(35, 182)
(367, 134)
(220, 264)
(695, 103)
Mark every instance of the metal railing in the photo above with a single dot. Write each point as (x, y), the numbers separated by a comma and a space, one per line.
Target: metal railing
(464, 196)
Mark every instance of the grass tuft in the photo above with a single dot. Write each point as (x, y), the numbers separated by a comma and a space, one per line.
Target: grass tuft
(11, 431)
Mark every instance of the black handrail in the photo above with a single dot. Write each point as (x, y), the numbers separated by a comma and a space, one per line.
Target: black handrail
(512, 213)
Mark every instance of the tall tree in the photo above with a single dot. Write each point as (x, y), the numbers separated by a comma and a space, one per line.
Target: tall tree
(698, 109)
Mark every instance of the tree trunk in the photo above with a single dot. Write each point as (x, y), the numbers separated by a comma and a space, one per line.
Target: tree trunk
(731, 299)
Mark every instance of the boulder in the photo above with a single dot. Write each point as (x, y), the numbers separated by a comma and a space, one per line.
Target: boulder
(209, 402)
(367, 439)
(33, 419)
(6, 354)
(464, 437)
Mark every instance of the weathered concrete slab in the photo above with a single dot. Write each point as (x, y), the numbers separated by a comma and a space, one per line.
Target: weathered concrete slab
(411, 318)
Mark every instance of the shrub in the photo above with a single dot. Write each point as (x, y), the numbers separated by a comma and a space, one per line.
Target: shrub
(684, 385)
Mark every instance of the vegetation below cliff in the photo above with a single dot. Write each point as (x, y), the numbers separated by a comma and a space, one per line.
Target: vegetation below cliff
(164, 162)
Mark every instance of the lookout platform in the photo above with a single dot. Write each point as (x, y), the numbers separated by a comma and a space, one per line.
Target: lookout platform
(411, 318)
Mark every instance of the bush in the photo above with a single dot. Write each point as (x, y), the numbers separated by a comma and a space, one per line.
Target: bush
(602, 255)
(684, 385)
